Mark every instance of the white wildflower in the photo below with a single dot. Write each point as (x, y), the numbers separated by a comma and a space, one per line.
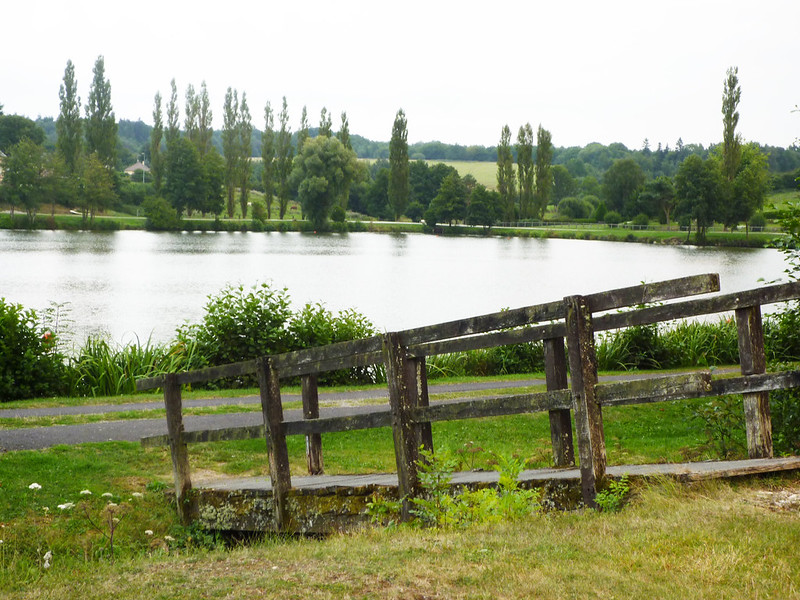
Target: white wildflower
(108, 495)
(112, 505)
(46, 509)
(169, 538)
(137, 495)
(47, 558)
(34, 486)
(66, 506)
(148, 532)
(86, 493)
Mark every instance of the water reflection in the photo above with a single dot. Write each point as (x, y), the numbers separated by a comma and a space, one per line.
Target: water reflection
(136, 282)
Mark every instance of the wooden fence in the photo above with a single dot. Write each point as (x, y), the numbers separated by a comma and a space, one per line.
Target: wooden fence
(571, 381)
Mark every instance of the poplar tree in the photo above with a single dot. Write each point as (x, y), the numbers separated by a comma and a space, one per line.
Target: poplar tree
(731, 141)
(525, 170)
(230, 146)
(398, 165)
(268, 158)
(325, 129)
(283, 160)
(244, 127)
(543, 173)
(68, 125)
(101, 124)
(344, 132)
(302, 134)
(506, 185)
(191, 127)
(156, 134)
(173, 131)
(205, 129)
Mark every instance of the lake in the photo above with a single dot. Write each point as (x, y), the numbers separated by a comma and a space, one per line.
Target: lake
(131, 284)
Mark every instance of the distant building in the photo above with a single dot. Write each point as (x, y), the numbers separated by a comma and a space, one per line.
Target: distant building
(139, 166)
(2, 156)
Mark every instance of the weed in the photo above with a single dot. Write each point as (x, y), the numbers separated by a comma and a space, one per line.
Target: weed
(612, 499)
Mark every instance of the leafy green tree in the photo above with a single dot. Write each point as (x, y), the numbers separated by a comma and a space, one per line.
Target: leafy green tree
(213, 166)
(344, 132)
(321, 173)
(156, 135)
(564, 184)
(283, 161)
(482, 207)
(205, 128)
(14, 129)
(173, 131)
(245, 129)
(97, 191)
(184, 187)
(749, 188)
(697, 188)
(69, 127)
(302, 133)
(450, 204)
(191, 125)
(525, 170)
(24, 171)
(658, 197)
(101, 124)
(731, 142)
(268, 158)
(621, 184)
(398, 165)
(543, 173)
(160, 215)
(506, 185)
(231, 147)
(325, 123)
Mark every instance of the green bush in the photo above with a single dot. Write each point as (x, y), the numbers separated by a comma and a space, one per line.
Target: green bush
(782, 334)
(612, 217)
(30, 364)
(575, 208)
(641, 220)
(161, 216)
(638, 347)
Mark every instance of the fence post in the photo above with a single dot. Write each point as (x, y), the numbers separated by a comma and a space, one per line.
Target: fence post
(177, 447)
(421, 381)
(402, 398)
(555, 370)
(272, 410)
(588, 414)
(752, 361)
(311, 411)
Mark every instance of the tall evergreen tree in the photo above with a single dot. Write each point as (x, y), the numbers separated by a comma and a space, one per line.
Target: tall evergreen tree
(191, 126)
(731, 141)
(268, 158)
(506, 185)
(525, 170)
(543, 174)
(245, 129)
(283, 160)
(231, 146)
(156, 135)
(398, 165)
(325, 129)
(69, 125)
(302, 133)
(101, 124)
(344, 132)
(173, 131)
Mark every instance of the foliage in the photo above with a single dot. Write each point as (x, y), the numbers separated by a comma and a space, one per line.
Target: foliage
(30, 365)
(722, 420)
(482, 208)
(450, 204)
(574, 208)
(283, 161)
(398, 166)
(69, 125)
(161, 216)
(101, 124)
(698, 185)
(621, 184)
(632, 348)
(543, 174)
(14, 128)
(612, 217)
(613, 497)
(525, 170)
(506, 176)
(784, 406)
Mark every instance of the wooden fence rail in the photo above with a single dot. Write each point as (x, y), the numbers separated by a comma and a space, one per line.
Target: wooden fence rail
(571, 381)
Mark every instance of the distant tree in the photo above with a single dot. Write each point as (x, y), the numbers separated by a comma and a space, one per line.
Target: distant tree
(543, 173)
(325, 123)
(205, 128)
(482, 207)
(621, 184)
(731, 142)
(344, 132)
(69, 127)
(268, 158)
(283, 161)
(173, 131)
(398, 165)
(321, 173)
(506, 186)
(231, 146)
(302, 133)
(697, 189)
(525, 170)
(191, 125)
(749, 188)
(564, 184)
(658, 196)
(97, 191)
(245, 129)
(24, 172)
(184, 187)
(450, 204)
(101, 124)
(156, 134)
(14, 128)
(213, 167)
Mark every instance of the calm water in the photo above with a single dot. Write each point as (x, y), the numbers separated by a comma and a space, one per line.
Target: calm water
(135, 283)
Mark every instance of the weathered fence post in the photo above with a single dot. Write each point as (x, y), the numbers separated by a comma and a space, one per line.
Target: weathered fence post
(311, 411)
(752, 361)
(588, 414)
(178, 448)
(555, 370)
(422, 399)
(402, 398)
(272, 410)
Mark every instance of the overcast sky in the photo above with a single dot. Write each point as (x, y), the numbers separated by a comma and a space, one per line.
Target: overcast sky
(612, 71)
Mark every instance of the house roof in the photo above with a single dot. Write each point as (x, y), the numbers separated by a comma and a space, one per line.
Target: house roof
(139, 166)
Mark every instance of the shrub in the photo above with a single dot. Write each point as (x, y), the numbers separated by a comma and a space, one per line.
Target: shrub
(161, 216)
(338, 214)
(641, 220)
(758, 220)
(612, 217)
(634, 348)
(30, 365)
(600, 211)
(574, 208)
(415, 211)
